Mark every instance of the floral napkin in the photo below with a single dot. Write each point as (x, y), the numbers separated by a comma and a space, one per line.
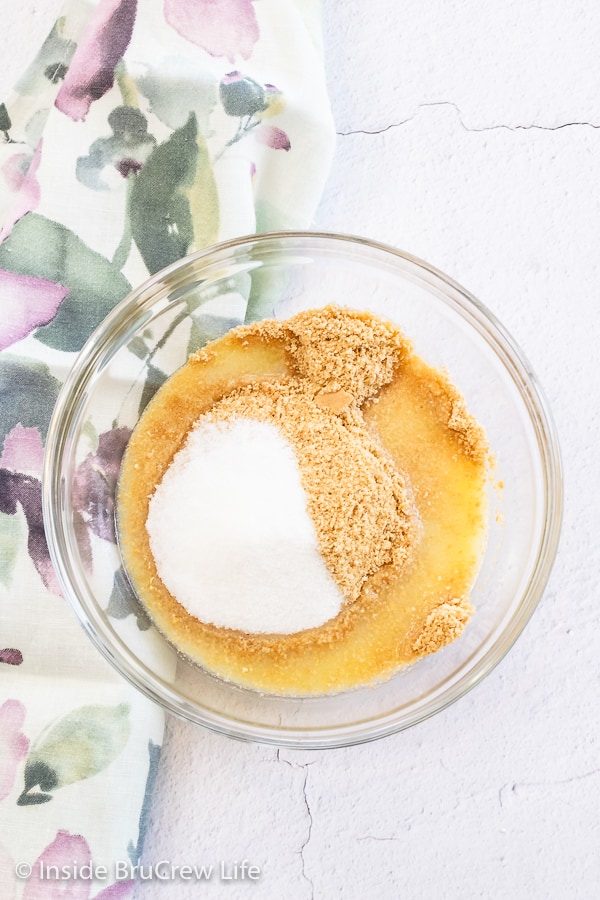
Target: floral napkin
(143, 130)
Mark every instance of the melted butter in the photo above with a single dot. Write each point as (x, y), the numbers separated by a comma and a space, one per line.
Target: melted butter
(376, 635)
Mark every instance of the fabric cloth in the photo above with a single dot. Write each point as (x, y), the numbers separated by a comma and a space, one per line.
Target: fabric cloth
(144, 130)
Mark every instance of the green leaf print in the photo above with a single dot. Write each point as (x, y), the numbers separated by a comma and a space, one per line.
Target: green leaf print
(268, 286)
(155, 378)
(78, 746)
(204, 200)
(10, 531)
(5, 123)
(271, 218)
(134, 851)
(39, 246)
(28, 393)
(123, 602)
(159, 209)
(206, 328)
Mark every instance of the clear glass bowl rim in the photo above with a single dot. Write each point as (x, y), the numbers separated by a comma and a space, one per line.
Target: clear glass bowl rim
(97, 349)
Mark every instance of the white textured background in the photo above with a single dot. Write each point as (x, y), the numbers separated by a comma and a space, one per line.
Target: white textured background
(469, 136)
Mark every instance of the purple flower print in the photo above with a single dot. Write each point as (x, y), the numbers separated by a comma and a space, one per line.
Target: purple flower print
(28, 394)
(273, 137)
(92, 71)
(221, 27)
(23, 450)
(22, 457)
(29, 302)
(13, 744)
(72, 852)
(95, 482)
(118, 891)
(20, 172)
(15, 169)
(250, 102)
(122, 154)
(17, 490)
(66, 849)
(11, 657)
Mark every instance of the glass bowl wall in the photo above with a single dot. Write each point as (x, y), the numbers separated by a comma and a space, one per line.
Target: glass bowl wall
(150, 334)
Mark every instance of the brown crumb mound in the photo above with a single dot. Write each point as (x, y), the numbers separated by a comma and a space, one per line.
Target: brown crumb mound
(361, 507)
(360, 504)
(339, 349)
(443, 625)
(452, 410)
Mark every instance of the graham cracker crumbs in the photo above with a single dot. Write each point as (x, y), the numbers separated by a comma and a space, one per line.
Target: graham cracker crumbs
(361, 507)
(360, 504)
(469, 431)
(452, 411)
(385, 446)
(443, 625)
(339, 349)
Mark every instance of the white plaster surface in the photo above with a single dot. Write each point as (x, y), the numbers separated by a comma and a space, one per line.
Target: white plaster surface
(469, 136)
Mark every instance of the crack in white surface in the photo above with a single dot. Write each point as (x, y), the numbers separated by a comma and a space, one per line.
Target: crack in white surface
(305, 767)
(374, 837)
(514, 786)
(499, 127)
(308, 834)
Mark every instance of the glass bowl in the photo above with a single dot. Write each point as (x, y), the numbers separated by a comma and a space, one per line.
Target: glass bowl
(149, 335)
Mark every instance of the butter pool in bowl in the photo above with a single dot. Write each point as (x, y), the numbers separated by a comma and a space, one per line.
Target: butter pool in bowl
(416, 602)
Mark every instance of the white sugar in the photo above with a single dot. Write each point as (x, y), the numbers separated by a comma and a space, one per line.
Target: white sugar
(231, 536)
